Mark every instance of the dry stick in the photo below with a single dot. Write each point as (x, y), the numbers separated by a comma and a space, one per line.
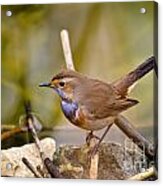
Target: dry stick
(144, 175)
(122, 86)
(36, 139)
(94, 161)
(93, 171)
(29, 120)
(70, 65)
(39, 169)
(6, 127)
(49, 168)
(37, 142)
(67, 50)
(8, 134)
(133, 134)
(30, 167)
(52, 169)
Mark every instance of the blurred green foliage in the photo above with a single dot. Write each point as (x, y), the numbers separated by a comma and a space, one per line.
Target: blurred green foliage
(107, 40)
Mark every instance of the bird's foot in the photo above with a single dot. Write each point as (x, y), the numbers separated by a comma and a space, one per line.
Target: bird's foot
(90, 136)
(92, 142)
(96, 145)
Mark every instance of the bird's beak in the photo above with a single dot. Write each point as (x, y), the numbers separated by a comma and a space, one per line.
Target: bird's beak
(45, 85)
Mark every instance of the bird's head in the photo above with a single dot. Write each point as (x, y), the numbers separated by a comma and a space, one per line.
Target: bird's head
(64, 83)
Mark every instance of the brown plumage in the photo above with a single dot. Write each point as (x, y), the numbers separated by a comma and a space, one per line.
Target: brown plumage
(93, 104)
(98, 102)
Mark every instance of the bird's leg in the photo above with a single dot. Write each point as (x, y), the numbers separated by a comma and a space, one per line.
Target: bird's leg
(96, 147)
(90, 136)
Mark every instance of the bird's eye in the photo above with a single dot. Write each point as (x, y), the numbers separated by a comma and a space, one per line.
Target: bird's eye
(61, 84)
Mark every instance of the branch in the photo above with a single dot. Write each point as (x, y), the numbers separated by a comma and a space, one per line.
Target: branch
(93, 171)
(52, 169)
(7, 127)
(45, 160)
(12, 132)
(94, 159)
(133, 134)
(67, 50)
(40, 171)
(30, 167)
(144, 175)
(36, 139)
(122, 85)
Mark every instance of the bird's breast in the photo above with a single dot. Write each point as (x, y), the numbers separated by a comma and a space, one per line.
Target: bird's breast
(69, 109)
(79, 118)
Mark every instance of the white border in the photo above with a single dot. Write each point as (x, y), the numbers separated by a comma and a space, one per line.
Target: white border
(52, 182)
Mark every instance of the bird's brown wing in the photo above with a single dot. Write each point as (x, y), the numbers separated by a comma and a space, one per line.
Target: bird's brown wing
(101, 100)
(115, 108)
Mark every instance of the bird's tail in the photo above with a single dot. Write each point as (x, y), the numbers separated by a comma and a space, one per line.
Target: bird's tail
(125, 83)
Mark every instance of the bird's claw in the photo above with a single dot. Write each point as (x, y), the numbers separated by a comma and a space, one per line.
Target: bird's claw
(89, 137)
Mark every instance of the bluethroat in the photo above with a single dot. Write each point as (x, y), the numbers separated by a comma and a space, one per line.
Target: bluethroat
(89, 103)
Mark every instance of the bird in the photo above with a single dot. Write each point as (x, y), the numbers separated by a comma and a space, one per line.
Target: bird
(92, 104)
(88, 103)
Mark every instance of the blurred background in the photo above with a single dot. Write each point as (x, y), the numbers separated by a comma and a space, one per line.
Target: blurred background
(107, 40)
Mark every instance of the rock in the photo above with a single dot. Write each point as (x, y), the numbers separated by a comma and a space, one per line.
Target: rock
(11, 159)
(115, 162)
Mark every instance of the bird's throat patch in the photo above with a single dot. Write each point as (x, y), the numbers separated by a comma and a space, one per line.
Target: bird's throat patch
(69, 108)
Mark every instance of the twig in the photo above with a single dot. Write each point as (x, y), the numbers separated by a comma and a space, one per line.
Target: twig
(36, 139)
(6, 127)
(94, 159)
(39, 169)
(95, 155)
(93, 171)
(31, 128)
(67, 49)
(133, 134)
(52, 169)
(12, 132)
(144, 175)
(48, 166)
(30, 167)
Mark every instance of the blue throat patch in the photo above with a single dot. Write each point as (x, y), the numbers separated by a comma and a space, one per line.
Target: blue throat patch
(69, 108)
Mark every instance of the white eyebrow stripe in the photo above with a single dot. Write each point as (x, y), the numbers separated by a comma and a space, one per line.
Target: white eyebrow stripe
(68, 79)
